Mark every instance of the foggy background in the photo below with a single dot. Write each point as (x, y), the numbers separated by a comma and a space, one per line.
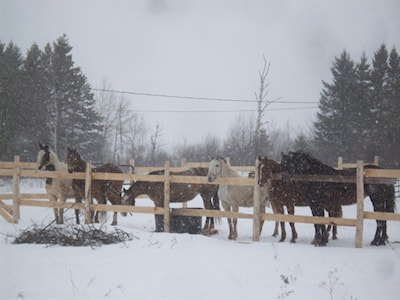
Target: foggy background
(207, 49)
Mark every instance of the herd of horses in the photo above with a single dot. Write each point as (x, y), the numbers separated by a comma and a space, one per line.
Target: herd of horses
(278, 188)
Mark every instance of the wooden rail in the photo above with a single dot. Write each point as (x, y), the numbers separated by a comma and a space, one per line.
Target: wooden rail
(18, 169)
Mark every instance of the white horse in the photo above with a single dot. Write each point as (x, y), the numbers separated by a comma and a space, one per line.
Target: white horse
(57, 189)
(233, 196)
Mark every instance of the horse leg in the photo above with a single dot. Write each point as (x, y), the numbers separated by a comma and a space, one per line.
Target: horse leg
(279, 209)
(338, 213)
(227, 207)
(235, 209)
(290, 209)
(320, 238)
(77, 211)
(53, 198)
(380, 234)
(207, 205)
(276, 229)
(63, 199)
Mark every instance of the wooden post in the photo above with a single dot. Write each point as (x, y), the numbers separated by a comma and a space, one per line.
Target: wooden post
(166, 197)
(183, 163)
(376, 160)
(256, 205)
(340, 163)
(360, 203)
(88, 194)
(16, 180)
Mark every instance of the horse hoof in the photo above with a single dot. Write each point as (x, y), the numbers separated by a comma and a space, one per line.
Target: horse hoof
(378, 243)
(114, 223)
(334, 238)
(281, 240)
(293, 241)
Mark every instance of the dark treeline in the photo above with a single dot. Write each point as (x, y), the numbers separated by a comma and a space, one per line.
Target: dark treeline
(45, 98)
(359, 111)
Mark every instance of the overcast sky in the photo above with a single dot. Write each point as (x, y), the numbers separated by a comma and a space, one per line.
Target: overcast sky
(207, 48)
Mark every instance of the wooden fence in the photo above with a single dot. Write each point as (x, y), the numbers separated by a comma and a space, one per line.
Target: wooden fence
(17, 169)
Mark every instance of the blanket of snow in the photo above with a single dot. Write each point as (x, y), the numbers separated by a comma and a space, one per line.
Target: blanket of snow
(183, 266)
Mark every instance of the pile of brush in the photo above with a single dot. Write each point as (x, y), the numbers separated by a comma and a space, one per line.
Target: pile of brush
(71, 235)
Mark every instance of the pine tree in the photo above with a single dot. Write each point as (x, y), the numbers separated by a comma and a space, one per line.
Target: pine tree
(393, 129)
(334, 126)
(33, 93)
(73, 120)
(10, 109)
(379, 80)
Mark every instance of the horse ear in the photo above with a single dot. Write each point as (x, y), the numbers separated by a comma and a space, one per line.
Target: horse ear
(42, 146)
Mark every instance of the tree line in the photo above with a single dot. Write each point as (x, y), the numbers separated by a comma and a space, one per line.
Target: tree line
(359, 110)
(44, 97)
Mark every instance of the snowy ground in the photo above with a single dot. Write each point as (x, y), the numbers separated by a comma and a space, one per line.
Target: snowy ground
(183, 266)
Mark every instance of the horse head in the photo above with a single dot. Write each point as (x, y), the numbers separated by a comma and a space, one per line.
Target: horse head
(128, 198)
(43, 156)
(288, 165)
(74, 161)
(215, 168)
(264, 170)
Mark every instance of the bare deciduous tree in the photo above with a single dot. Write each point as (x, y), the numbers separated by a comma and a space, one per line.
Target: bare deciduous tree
(262, 104)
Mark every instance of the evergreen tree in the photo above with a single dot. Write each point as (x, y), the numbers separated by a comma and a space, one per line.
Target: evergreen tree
(380, 103)
(73, 120)
(393, 129)
(35, 112)
(334, 125)
(10, 109)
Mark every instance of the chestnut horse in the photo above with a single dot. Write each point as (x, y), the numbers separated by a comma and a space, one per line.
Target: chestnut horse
(233, 196)
(102, 190)
(179, 192)
(322, 193)
(57, 189)
(289, 194)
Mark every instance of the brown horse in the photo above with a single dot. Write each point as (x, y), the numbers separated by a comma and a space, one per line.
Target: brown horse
(101, 189)
(179, 192)
(289, 194)
(322, 193)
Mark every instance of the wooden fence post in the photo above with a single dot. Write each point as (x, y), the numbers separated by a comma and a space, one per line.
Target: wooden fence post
(16, 181)
(183, 163)
(256, 205)
(360, 203)
(376, 160)
(340, 163)
(166, 197)
(88, 194)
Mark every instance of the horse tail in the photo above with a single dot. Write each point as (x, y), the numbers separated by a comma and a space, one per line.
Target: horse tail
(215, 204)
(215, 201)
(390, 199)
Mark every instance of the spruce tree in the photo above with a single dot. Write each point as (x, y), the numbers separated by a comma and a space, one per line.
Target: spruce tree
(393, 129)
(11, 111)
(73, 120)
(334, 125)
(380, 103)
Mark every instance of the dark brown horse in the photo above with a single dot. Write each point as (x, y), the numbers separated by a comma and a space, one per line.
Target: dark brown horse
(179, 192)
(323, 193)
(102, 190)
(289, 194)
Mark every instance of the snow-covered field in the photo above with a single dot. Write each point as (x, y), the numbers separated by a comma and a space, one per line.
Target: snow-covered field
(183, 266)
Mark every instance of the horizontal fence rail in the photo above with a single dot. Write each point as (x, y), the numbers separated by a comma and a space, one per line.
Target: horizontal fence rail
(17, 170)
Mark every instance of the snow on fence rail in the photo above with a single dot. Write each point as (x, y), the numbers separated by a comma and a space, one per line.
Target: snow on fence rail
(18, 169)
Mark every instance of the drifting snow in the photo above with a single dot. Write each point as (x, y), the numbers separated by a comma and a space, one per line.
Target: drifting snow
(183, 266)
